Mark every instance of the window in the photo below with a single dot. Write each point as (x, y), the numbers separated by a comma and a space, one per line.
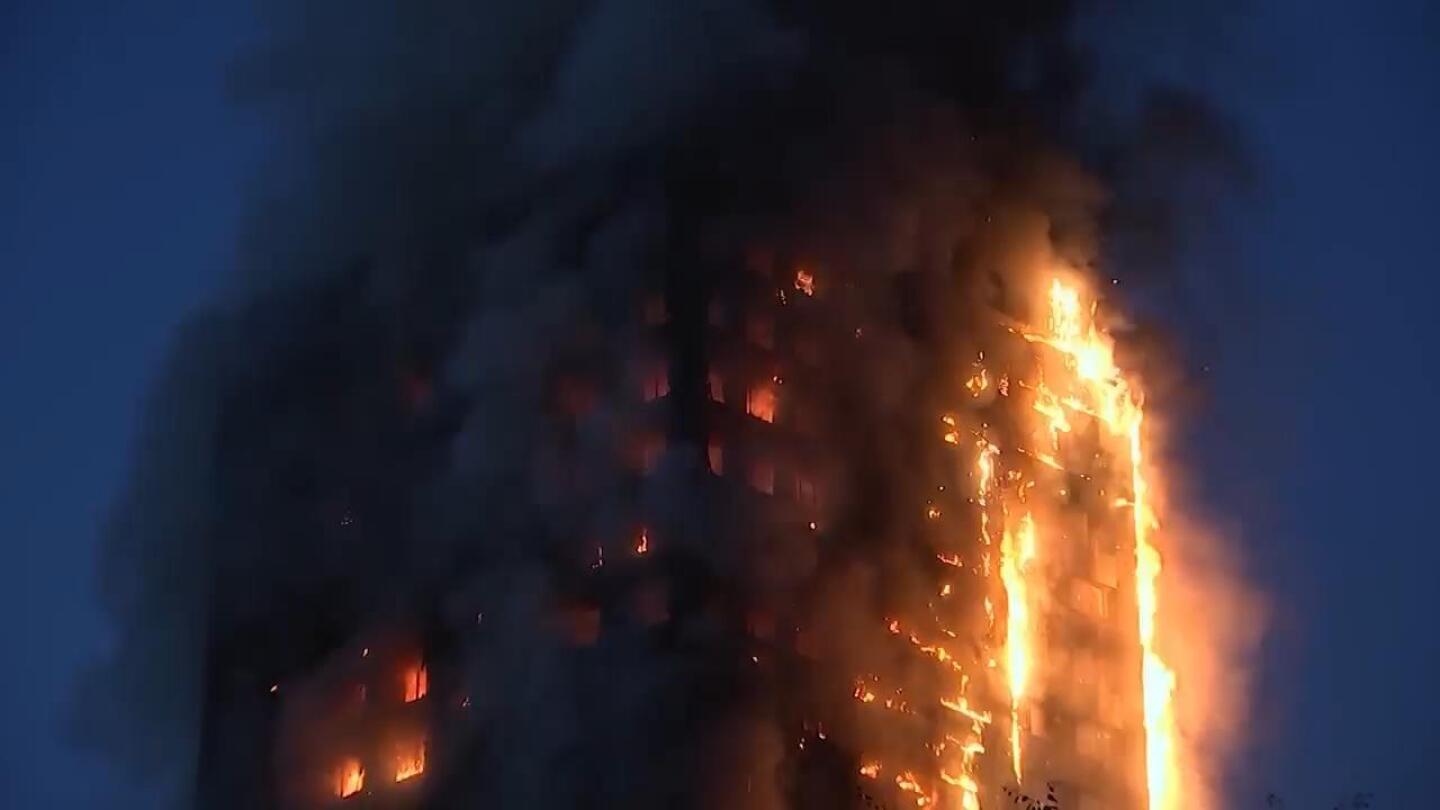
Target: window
(656, 312)
(760, 259)
(716, 312)
(409, 760)
(716, 384)
(349, 778)
(656, 383)
(808, 349)
(760, 402)
(1091, 599)
(652, 448)
(716, 454)
(1092, 741)
(760, 624)
(576, 397)
(762, 476)
(761, 331)
(581, 623)
(1108, 709)
(802, 416)
(1037, 721)
(805, 493)
(1085, 669)
(1107, 569)
(416, 682)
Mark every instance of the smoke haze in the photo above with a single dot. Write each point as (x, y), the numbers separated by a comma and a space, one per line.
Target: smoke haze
(463, 204)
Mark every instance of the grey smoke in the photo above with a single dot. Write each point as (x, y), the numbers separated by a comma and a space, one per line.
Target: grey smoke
(465, 198)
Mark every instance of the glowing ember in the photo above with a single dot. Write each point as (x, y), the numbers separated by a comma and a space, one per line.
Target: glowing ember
(349, 778)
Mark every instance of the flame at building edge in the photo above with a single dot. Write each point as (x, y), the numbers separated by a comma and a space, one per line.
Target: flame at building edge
(1117, 401)
(1179, 691)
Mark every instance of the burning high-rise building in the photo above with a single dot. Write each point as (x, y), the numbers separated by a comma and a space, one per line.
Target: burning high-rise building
(756, 439)
(1020, 653)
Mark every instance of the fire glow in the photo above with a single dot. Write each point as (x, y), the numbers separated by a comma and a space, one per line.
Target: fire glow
(1017, 550)
(349, 778)
(1100, 389)
(1072, 421)
(410, 762)
(416, 682)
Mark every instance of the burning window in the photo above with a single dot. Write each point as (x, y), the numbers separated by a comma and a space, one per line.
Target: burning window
(760, 402)
(656, 383)
(416, 682)
(409, 760)
(762, 476)
(716, 383)
(349, 778)
(656, 312)
(715, 452)
(761, 331)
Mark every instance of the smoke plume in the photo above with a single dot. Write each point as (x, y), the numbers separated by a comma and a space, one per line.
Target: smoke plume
(464, 207)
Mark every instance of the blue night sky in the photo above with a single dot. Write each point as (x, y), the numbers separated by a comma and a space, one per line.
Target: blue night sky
(122, 171)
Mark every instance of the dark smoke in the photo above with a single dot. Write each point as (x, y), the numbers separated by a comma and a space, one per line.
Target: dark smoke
(464, 205)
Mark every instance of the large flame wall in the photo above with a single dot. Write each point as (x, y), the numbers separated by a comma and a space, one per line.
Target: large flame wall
(1063, 676)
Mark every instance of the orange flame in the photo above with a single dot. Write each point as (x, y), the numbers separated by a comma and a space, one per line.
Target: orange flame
(1082, 416)
(1017, 550)
(349, 778)
(760, 402)
(1104, 392)
(416, 681)
(410, 762)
